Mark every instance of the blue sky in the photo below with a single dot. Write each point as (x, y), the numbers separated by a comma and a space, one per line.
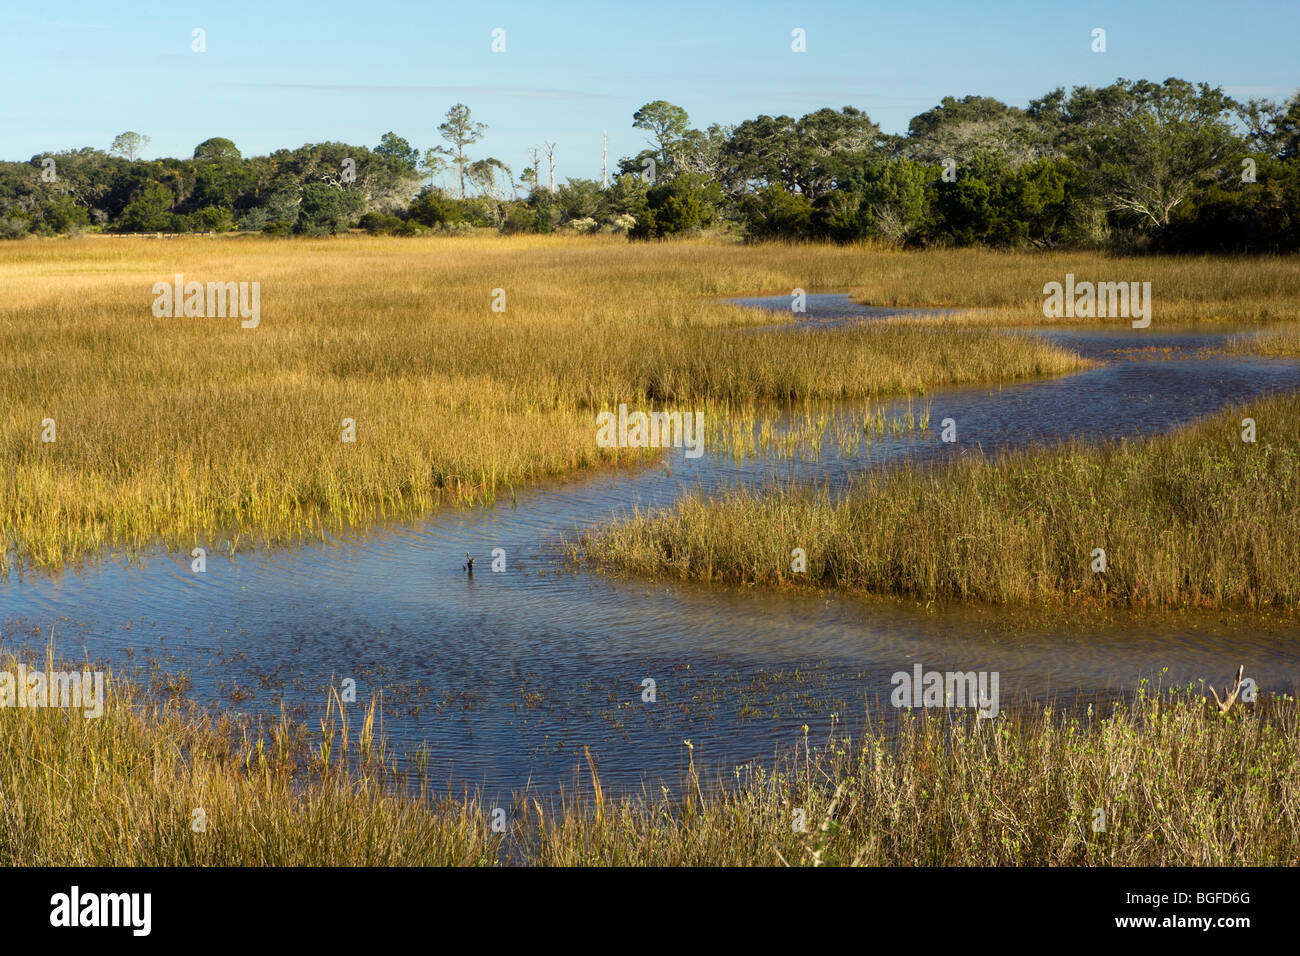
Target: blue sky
(286, 73)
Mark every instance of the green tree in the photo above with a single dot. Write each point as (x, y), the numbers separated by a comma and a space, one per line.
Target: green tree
(703, 151)
(460, 130)
(327, 208)
(63, 214)
(150, 211)
(684, 204)
(958, 129)
(398, 151)
(626, 194)
(490, 175)
(216, 149)
(433, 163)
(775, 213)
(580, 199)
(896, 199)
(432, 208)
(1034, 203)
(222, 182)
(210, 219)
(809, 155)
(129, 145)
(1274, 128)
(1146, 146)
(276, 213)
(667, 124)
(762, 152)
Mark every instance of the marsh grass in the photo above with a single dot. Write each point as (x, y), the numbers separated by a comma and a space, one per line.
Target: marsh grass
(198, 433)
(123, 788)
(1279, 342)
(1005, 288)
(810, 431)
(1179, 785)
(1197, 518)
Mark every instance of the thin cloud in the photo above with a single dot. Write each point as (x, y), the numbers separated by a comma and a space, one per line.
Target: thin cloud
(530, 92)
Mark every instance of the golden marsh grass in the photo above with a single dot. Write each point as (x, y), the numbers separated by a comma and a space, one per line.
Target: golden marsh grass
(1196, 518)
(197, 432)
(996, 287)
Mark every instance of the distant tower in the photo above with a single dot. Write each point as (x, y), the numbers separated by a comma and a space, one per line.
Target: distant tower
(604, 159)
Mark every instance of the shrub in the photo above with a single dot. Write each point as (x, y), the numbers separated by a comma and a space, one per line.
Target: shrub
(377, 223)
(432, 208)
(150, 211)
(774, 213)
(681, 206)
(211, 219)
(13, 226)
(65, 215)
(519, 217)
(327, 209)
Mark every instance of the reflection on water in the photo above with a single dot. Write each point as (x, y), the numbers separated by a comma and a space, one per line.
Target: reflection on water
(507, 676)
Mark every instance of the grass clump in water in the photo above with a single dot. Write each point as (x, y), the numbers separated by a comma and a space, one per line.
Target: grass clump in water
(1196, 518)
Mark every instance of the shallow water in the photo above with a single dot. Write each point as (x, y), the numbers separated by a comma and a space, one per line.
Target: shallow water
(506, 676)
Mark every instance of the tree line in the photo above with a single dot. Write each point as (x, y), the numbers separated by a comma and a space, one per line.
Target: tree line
(1132, 165)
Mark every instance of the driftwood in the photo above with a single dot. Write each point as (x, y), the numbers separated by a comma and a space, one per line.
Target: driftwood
(1229, 694)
